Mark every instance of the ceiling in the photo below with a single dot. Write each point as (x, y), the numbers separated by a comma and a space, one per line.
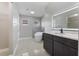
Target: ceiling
(40, 8)
(58, 7)
(72, 12)
(25, 8)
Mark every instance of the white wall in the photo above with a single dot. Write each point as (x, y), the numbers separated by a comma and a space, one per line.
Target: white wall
(26, 30)
(4, 25)
(47, 22)
(36, 26)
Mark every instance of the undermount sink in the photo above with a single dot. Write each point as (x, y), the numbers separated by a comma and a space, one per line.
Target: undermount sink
(59, 33)
(68, 34)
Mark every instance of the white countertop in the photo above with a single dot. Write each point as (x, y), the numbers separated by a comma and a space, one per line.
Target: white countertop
(73, 36)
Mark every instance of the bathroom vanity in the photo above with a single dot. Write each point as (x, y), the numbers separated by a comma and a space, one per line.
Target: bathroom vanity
(58, 44)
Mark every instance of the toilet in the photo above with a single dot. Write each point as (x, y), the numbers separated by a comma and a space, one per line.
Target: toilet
(38, 36)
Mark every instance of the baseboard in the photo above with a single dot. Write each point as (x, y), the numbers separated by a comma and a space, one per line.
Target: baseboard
(4, 52)
(25, 38)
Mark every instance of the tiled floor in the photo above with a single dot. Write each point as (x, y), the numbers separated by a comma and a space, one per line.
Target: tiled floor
(29, 47)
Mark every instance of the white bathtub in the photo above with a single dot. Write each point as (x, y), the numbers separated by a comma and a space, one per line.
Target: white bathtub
(4, 52)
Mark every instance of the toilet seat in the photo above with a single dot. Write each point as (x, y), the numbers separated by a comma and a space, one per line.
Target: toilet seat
(38, 36)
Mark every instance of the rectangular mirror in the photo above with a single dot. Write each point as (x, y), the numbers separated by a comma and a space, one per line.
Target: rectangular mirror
(73, 22)
(69, 19)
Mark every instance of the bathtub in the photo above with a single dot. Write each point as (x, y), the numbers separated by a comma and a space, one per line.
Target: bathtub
(4, 52)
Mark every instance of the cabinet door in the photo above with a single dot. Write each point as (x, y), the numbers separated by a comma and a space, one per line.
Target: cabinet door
(67, 41)
(63, 50)
(48, 44)
(58, 49)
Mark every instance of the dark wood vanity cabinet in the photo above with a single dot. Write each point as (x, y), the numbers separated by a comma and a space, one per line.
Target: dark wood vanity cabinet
(48, 43)
(58, 46)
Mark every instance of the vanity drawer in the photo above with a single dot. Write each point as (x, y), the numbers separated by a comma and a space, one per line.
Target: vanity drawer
(47, 36)
(63, 50)
(68, 42)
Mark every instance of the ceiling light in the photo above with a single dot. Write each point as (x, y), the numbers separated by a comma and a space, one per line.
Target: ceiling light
(32, 12)
(75, 14)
